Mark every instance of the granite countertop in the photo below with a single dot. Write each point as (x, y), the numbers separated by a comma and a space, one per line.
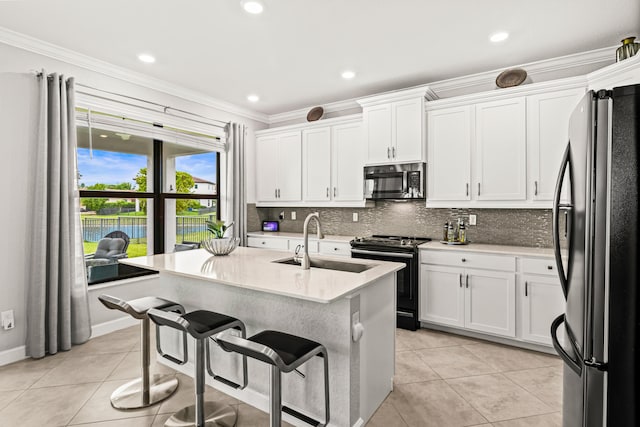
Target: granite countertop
(312, 236)
(252, 268)
(494, 249)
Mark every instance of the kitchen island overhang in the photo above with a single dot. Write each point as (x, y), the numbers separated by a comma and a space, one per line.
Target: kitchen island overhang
(319, 304)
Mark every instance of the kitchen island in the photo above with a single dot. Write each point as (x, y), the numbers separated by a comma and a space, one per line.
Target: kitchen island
(320, 304)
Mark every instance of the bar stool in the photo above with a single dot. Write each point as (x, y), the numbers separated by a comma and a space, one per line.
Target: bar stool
(147, 390)
(202, 325)
(285, 353)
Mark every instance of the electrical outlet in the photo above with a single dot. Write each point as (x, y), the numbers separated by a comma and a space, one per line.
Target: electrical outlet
(293, 215)
(355, 217)
(7, 320)
(472, 219)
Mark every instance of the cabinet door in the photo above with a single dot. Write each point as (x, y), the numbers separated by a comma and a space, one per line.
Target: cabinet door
(501, 150)
(407, 118)
(449, 148)
(441, 295)
(377, 122)
(547, 135)
(316, 152)
(266, 168)
(289, 166)
(490, 302)
(268, 243)
(542, 301)
(346, 163)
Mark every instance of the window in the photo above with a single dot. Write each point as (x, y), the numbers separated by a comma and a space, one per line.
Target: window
(145, 187)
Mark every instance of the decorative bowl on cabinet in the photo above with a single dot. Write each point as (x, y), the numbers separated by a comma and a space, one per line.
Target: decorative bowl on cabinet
(223, 246)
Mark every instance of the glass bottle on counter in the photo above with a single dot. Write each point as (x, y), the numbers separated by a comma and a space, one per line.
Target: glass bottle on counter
(462, 233)
(451, 233)
(445, 232)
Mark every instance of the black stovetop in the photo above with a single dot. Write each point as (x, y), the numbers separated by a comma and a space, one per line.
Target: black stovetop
(382, 241)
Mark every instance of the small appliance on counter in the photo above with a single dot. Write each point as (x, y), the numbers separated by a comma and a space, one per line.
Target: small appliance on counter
(394, 182)
(270, 226)
(396, 249)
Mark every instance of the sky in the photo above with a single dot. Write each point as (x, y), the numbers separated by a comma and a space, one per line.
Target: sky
(108, 167)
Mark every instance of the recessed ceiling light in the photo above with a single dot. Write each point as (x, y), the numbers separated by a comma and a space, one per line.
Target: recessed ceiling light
(252, 6)
(103, 136)
(145, 57)
(499, 37)
(348, 74)
(253, 98)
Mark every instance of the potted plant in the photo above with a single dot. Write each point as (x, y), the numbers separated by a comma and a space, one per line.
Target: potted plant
(218, 244)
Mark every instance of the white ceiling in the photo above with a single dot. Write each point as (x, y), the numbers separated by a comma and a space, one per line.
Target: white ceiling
(292, 54)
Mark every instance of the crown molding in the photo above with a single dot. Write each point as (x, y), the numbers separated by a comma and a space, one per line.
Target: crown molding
(31, 44)
(342, 120)
(330, 107)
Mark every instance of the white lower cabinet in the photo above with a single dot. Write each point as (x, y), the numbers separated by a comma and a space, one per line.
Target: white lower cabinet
(542, 301)
(479, 300)
(268, 243)
(294, 243)
(323, 247)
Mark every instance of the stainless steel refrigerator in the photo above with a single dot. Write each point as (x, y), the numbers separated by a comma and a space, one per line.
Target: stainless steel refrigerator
(596, 240)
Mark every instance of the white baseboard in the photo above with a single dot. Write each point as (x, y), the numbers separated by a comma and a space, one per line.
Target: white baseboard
(12, 355)
(113, 325)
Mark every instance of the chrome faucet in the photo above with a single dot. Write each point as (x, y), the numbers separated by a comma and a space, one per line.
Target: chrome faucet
(306, 262)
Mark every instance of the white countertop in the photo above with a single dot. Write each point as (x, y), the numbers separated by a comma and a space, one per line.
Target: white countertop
(495, 249)
(312, 236)
(253, 268)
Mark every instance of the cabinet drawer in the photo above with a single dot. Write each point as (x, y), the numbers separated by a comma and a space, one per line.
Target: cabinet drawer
(313, 245)
(266, 243)
(335, 248)
(539, 266)
(469, 260)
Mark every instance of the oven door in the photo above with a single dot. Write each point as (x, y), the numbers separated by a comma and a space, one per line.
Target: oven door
(407, 283)
(386, 185)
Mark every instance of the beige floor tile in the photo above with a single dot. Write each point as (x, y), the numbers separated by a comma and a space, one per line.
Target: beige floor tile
(128, 422)
(410, 368)
(548, 420)
(504, 358)
(115, 342)
(454, 362)
(433, 404)
(130, 367)
(22, 375)
(160, 419)
(386, 416)
(248, 416)
(426, 338)
(98, 407)
(185, 396)
(81, 369)
(7, 397)
(50, 406)
(498, 398)
(544, 383)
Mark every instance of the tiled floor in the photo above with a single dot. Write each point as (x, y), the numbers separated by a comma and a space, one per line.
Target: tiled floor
(441, 380)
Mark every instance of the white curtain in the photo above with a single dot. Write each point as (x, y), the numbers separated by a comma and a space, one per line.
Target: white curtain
(236, 180)
(57, 296)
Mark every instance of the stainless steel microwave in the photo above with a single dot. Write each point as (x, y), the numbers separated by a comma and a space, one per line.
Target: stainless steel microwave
(401, 181)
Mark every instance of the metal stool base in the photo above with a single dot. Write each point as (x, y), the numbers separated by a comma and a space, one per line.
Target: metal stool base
(131, 396)
(215, 414)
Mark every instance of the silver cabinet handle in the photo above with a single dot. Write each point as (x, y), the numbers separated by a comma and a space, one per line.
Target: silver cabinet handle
(263, 242)
(388, 152)
(327, 192)
(467, 281)
(535, 188)
(335, 191)
(467, 189)
(460, 280)
(275, 190)
(478, 189)
(526, 289)
(393, 152)
(278, 193)
(464, 260)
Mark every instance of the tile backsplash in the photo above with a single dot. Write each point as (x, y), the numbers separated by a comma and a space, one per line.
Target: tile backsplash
(519, 227)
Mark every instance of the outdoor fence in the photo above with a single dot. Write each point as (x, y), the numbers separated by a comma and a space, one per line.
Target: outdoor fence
(188, 228)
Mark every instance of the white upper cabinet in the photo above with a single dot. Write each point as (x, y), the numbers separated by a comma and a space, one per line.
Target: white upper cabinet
(279, 167)
(547, 135)
(316, 154)
(449, 153)
(501, 146)
(346, 162)
(394, 126)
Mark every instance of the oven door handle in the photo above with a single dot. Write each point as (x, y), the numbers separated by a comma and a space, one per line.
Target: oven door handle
(380, 253)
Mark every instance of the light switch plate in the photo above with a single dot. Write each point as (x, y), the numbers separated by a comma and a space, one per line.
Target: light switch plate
(472, 219)
(355, 217)
(293, 215)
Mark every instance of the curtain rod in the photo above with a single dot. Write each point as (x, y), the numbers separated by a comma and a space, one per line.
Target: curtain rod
(165, 108)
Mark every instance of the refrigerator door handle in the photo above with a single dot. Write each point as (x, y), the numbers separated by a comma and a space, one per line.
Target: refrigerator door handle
(575, 365)
(556, 218)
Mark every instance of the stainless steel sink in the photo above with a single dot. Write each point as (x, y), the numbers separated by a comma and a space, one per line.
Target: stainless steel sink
(350, 267)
